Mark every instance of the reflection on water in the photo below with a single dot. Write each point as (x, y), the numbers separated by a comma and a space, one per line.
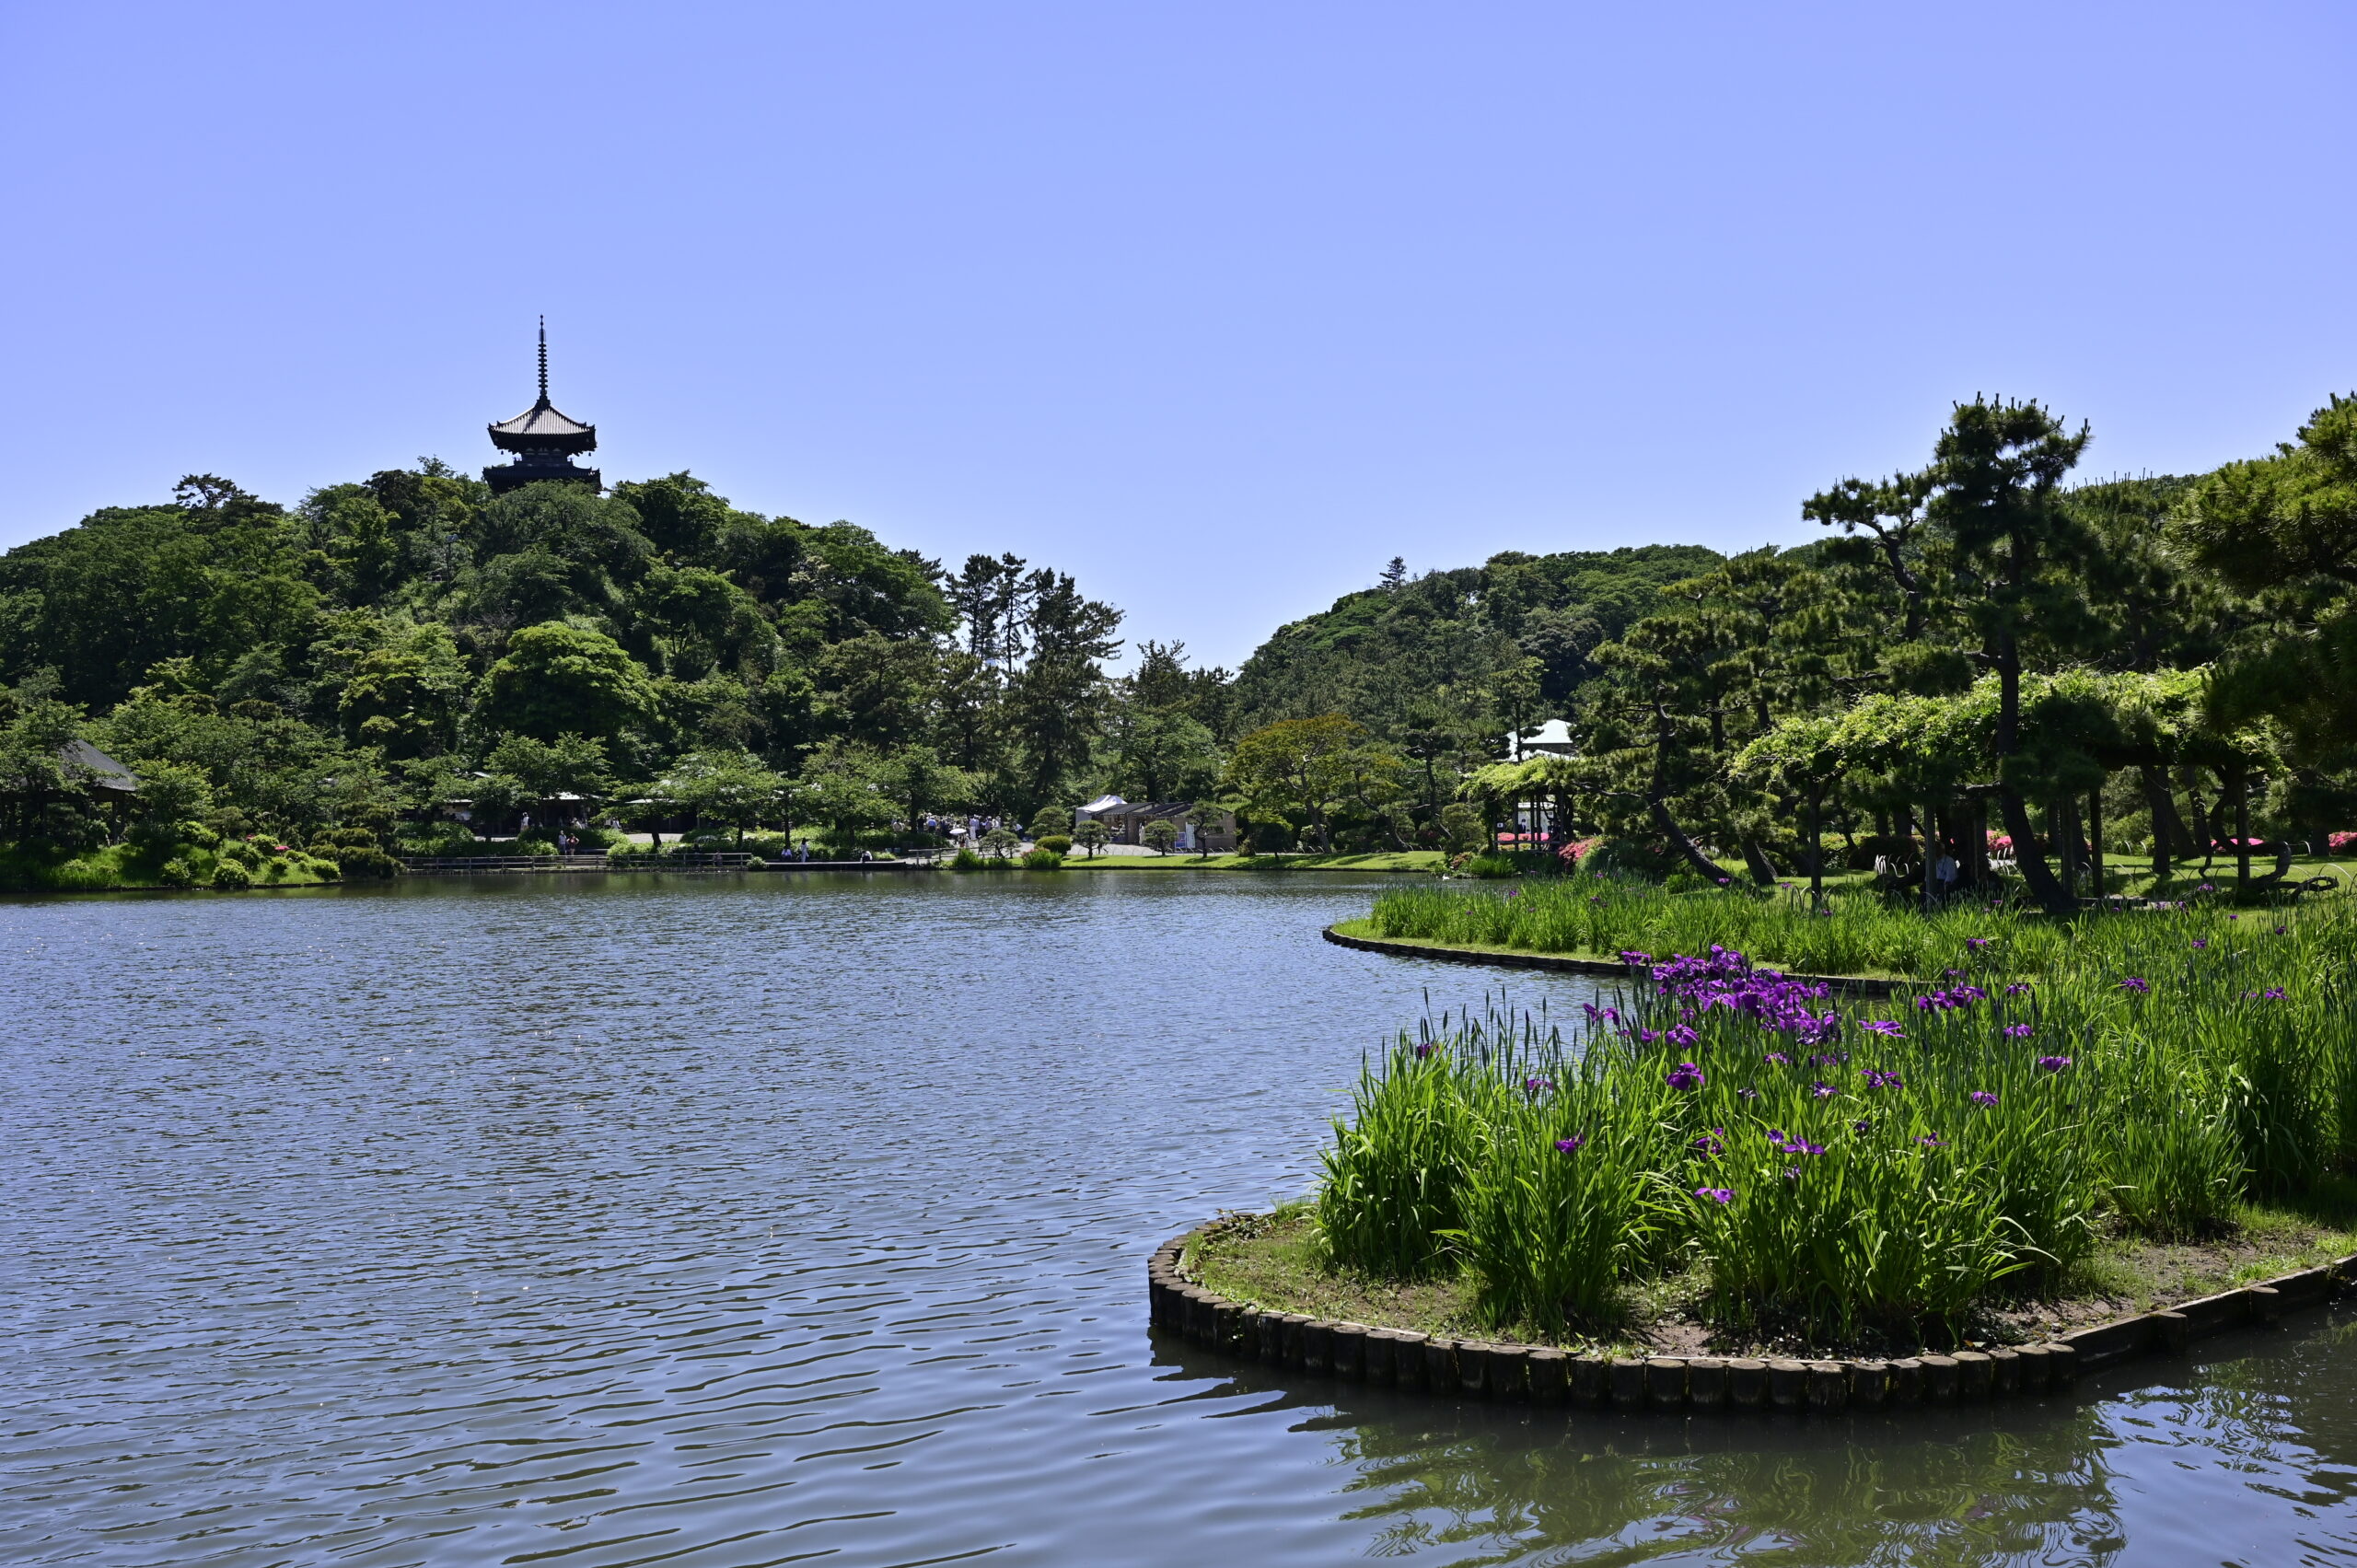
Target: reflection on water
(740, 1222)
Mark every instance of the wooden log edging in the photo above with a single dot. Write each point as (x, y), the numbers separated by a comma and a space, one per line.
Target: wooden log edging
(1544, 1375)
(1861, 985)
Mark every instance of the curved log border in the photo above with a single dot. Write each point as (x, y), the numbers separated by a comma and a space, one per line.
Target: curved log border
(1501, 958)
(1543, 1374)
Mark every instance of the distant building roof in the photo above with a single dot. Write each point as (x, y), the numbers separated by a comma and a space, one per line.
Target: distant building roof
(1102, 803)
(1555, 735)
(106, 773)
(542, 428)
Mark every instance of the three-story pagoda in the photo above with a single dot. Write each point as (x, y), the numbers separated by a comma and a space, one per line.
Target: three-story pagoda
(544, 442)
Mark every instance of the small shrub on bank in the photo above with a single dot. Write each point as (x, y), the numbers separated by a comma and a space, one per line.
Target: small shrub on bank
(1042, 860)
(177, 872)
(967, 860)
(231, 876)
(1056, 844)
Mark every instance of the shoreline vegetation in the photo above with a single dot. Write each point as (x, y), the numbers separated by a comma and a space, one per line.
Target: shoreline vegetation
(1855, 933)
(2058, 1116)
(1276, 1261)
(136, 867)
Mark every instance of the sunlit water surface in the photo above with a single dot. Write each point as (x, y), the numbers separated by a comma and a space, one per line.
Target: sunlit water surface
(782, 1219)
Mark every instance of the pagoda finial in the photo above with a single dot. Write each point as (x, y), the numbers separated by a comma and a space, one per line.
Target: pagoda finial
(545, 359)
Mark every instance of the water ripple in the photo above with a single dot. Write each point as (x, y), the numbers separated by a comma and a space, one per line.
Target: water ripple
(762, 1221)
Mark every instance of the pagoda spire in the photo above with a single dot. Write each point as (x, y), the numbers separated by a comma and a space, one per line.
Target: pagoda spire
(544, 441)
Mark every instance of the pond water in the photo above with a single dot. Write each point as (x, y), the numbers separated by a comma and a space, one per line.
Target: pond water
(765, 1220)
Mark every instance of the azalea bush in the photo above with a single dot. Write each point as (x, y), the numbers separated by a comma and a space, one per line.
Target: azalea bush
(1833, 1165)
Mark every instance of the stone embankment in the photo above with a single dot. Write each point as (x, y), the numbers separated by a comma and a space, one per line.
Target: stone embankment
(1546, 1376)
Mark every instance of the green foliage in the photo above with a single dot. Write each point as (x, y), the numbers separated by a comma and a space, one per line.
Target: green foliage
(1038, 859)
(231, 875)
(559, 679)
(1313, 768)
(1161, 835)
(729, 788)
(1381, 655)
(1055, 843)
(1842, 1166)
(1092, 836)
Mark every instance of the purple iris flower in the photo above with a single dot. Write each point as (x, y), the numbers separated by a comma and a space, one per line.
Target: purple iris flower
(1877, 1079)
(2053, 1063)
(1884, 1027)
(2132, 983)
(1982, 1097)
(2017, 1031)
(1534, 1085)
(1710, 1146)
(2199, 942)
(2017, 990)
(1977, 942)
(1716, 1194)
(1780, 1059)
(1821, 1090)
(1685, 1076)
(1746, 1094)
(1572, 1144)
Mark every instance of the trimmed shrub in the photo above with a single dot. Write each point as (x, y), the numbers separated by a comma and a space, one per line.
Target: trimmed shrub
(177, 872)
(231, 875)
(1043, 860)
(1056, 844)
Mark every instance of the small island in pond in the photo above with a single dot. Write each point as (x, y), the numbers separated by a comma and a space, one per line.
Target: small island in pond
(2064, 1123)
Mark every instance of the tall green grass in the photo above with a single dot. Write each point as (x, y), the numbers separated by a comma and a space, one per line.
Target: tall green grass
(1837, 1167)
(1857, 934)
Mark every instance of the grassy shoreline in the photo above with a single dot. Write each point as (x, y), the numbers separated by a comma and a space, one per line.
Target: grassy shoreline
(1416, 860)
(1276, 1262)
(1365, 930)
(131, 868)
(2058, 1115)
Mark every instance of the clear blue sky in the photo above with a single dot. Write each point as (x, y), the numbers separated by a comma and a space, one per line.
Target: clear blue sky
(1217, 306)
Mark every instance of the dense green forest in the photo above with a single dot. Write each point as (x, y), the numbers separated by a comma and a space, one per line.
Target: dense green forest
(1985, 645)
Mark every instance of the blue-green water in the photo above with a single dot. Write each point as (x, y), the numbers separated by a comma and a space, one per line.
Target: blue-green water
(754, 1221)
